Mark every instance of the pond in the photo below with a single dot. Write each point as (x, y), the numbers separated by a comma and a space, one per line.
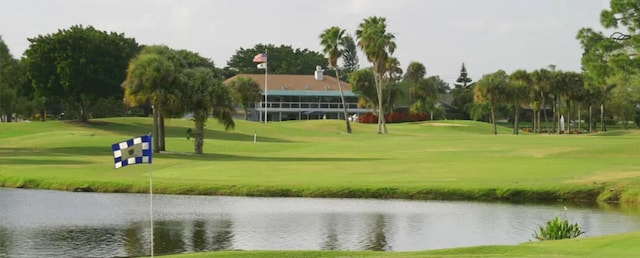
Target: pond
(42, 223)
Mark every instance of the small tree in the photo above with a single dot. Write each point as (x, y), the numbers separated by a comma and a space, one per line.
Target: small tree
(246, 92)
(206, 96)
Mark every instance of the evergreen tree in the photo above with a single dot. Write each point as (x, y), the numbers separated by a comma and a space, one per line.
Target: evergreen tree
(463, 93)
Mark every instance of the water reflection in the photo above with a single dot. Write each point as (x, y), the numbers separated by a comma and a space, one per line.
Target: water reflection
(62, 224)
(377, 238)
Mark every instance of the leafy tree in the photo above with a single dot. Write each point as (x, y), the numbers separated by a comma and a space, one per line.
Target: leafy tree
(152, 76)
(363, 84)
(246, 92)
(463, 93)
(595, 61)
(520, 88)
(333, 42)
(11, 78)
(282, 60)
(79, 65)
(378, 45)
(493, 90)
(427, 94)
(204, 95)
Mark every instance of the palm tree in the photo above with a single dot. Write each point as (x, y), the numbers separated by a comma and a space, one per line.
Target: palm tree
(333, 41)
(153, 77)
(415, 72)
(542, 80)
(204, 96)
(378, 45)
(246, 92)
(149, 79)
(519, 93)
(492, 89)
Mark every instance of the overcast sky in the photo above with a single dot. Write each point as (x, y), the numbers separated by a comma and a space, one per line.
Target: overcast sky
(486, 35)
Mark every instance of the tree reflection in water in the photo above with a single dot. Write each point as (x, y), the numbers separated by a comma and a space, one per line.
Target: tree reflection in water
(377, 238)
(331, 237)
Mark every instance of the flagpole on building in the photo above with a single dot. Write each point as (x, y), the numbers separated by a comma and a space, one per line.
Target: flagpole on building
(266, 86)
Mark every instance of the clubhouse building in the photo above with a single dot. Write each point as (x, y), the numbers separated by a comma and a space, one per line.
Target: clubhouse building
(301, 97)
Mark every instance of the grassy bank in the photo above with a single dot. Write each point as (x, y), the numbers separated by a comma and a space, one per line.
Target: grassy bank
(449, 160)
(624, 245)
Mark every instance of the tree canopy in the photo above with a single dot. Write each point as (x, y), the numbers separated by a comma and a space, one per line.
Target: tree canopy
(79, 65)
(281, 60)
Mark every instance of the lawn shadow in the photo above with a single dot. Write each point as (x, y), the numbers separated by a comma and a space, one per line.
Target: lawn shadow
(137, 128)
(16, 156)
(43, 162)
(229, 157)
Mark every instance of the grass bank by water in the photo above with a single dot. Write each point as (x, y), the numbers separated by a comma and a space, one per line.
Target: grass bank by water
(624, 245)
(447, 160)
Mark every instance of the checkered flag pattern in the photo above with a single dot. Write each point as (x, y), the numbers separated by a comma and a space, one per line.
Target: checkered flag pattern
(132, 151)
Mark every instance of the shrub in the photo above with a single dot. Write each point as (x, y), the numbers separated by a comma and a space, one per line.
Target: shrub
(558, 229)
(368, 118)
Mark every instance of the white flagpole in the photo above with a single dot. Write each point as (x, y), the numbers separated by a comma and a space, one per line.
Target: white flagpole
(151, 204)
(266, 87)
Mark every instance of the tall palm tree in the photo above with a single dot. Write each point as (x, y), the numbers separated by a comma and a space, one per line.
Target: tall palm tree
(333, 42)
(492, 89)
(378, 45)
(153, 76)
(204, 95)
(519, 93)
(415, 72)
(149, 77)
(542, 80)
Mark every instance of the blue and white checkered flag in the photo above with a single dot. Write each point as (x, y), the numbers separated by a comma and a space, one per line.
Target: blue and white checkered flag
(132, 151)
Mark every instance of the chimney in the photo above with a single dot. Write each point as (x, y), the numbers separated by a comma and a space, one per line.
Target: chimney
(319, 72)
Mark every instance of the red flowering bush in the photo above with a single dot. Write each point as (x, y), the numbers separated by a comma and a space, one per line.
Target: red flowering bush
(395, 117)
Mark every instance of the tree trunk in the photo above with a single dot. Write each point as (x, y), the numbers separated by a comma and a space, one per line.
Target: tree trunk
(154, 131)
(556, 115)
(568, 121)
(603, 128)
(516, 120)
(199, 135)
(539, 123)
(493, 118)
(246, 114)
(546, 119)
(378, 82)
(161, 133)
(344, 105)
(591, 119)
(579, 118)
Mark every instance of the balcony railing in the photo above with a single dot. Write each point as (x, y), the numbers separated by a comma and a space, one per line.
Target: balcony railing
(304, 105)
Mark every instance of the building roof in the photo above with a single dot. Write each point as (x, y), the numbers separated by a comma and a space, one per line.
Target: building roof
(296, 82)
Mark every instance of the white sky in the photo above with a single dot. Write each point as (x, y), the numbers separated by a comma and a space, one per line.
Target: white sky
(485, 34)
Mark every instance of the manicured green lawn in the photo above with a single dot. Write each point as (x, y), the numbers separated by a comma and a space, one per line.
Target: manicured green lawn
(431, 160)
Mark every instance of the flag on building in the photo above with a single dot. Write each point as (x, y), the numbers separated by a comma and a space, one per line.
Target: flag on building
(260, 58)
(262, 66)
(132, 151)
